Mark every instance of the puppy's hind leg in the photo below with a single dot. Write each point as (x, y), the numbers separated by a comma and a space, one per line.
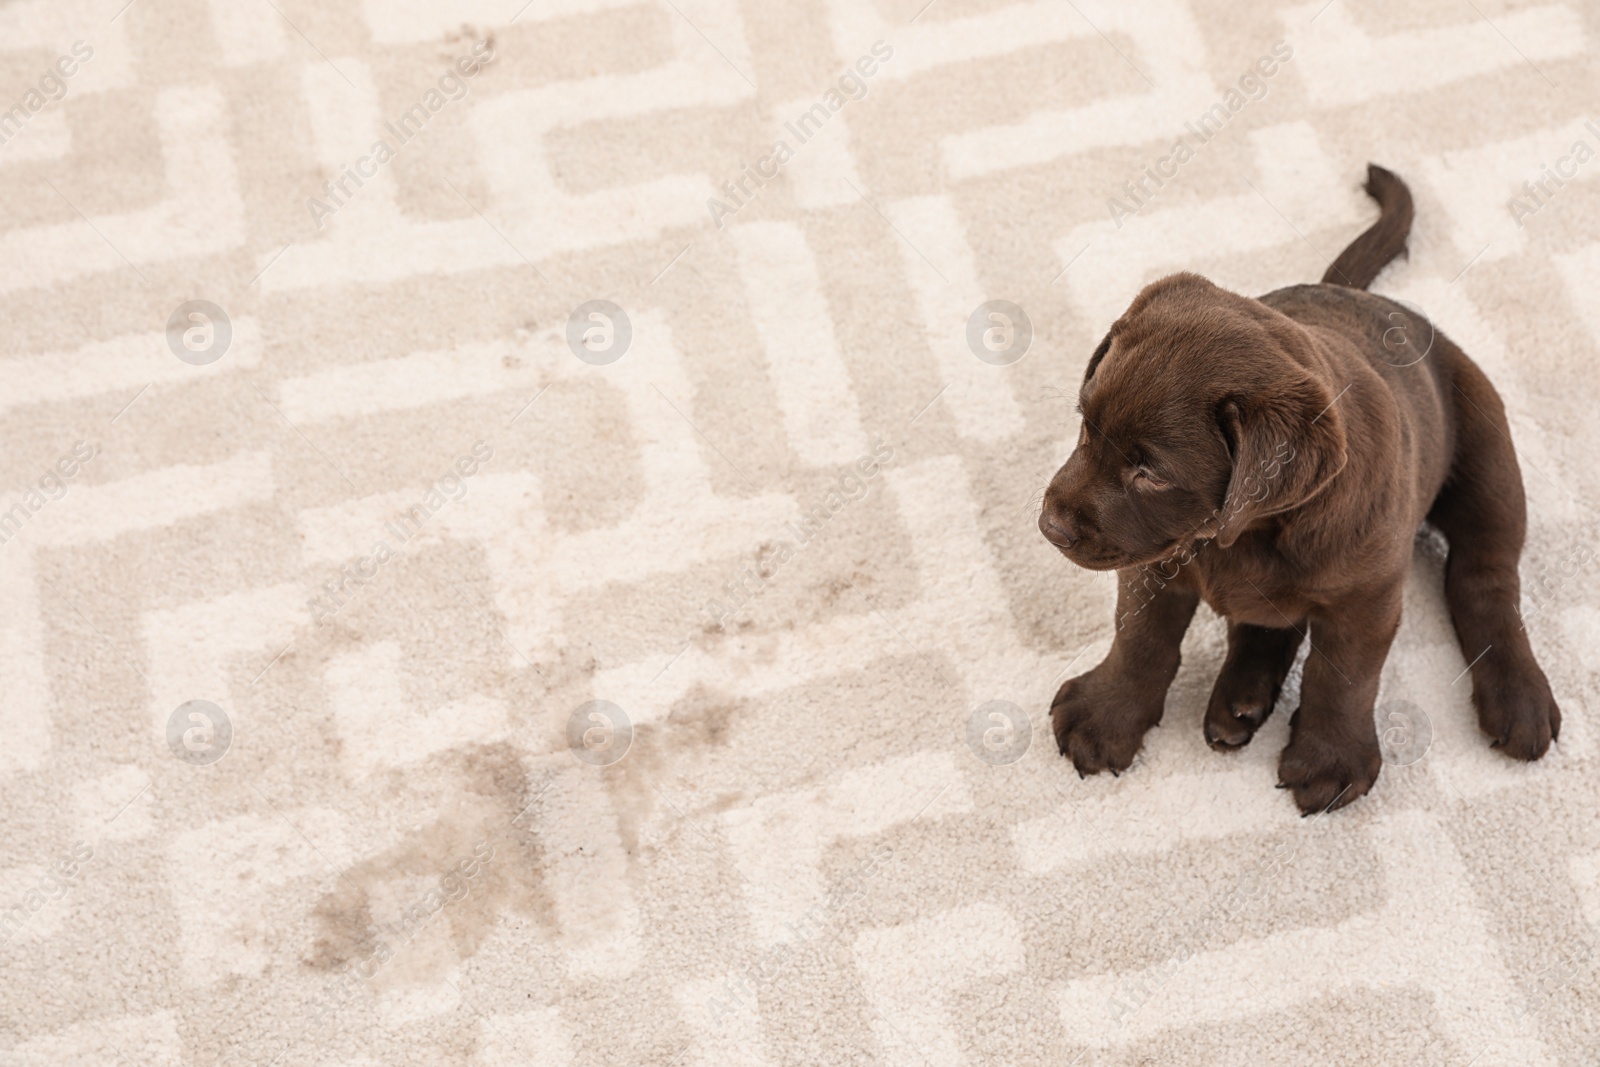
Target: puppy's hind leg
(1482, 512)
(1247, 687)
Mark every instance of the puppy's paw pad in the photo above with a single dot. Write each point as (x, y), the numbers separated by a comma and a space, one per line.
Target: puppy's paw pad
(1233, 727)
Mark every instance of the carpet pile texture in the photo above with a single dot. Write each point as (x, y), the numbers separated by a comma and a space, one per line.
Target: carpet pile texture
(517, 534)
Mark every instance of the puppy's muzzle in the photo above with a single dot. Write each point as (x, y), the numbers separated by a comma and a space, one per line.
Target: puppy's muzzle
(1058, 530)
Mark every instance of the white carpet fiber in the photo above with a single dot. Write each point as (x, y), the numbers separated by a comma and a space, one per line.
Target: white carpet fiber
(310, 587)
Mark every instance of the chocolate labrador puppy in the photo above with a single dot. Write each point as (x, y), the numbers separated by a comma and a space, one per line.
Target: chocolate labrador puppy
(1275, 458)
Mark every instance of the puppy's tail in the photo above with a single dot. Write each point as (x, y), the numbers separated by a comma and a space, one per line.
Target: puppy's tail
(1385, 239)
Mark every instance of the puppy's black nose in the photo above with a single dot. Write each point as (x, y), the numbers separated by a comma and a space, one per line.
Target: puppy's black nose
(1058, 530)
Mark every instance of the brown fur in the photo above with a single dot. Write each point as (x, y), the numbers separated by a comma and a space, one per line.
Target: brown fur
(1275, 457)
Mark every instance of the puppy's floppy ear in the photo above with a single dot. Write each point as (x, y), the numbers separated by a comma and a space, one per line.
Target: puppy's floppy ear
(1088, 387)
(1288, 442)
(1100, 351)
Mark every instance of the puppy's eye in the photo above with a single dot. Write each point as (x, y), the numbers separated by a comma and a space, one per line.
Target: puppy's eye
(1147, 478)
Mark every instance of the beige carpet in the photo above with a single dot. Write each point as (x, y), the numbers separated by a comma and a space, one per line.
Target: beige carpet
(310, 587)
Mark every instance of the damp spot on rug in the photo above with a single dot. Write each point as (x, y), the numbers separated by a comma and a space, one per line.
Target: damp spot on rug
(634, 784)
(644, 781)
(830, 590)
(412, 913)
(702, 716)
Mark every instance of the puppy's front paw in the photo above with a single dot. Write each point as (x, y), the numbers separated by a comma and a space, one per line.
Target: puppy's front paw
(1327, 772)
(1247, 687)
(1100, 721)
(1236, 710)
(1515, 706)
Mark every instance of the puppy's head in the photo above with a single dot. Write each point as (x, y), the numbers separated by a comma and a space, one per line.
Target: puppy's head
(1203, 412)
